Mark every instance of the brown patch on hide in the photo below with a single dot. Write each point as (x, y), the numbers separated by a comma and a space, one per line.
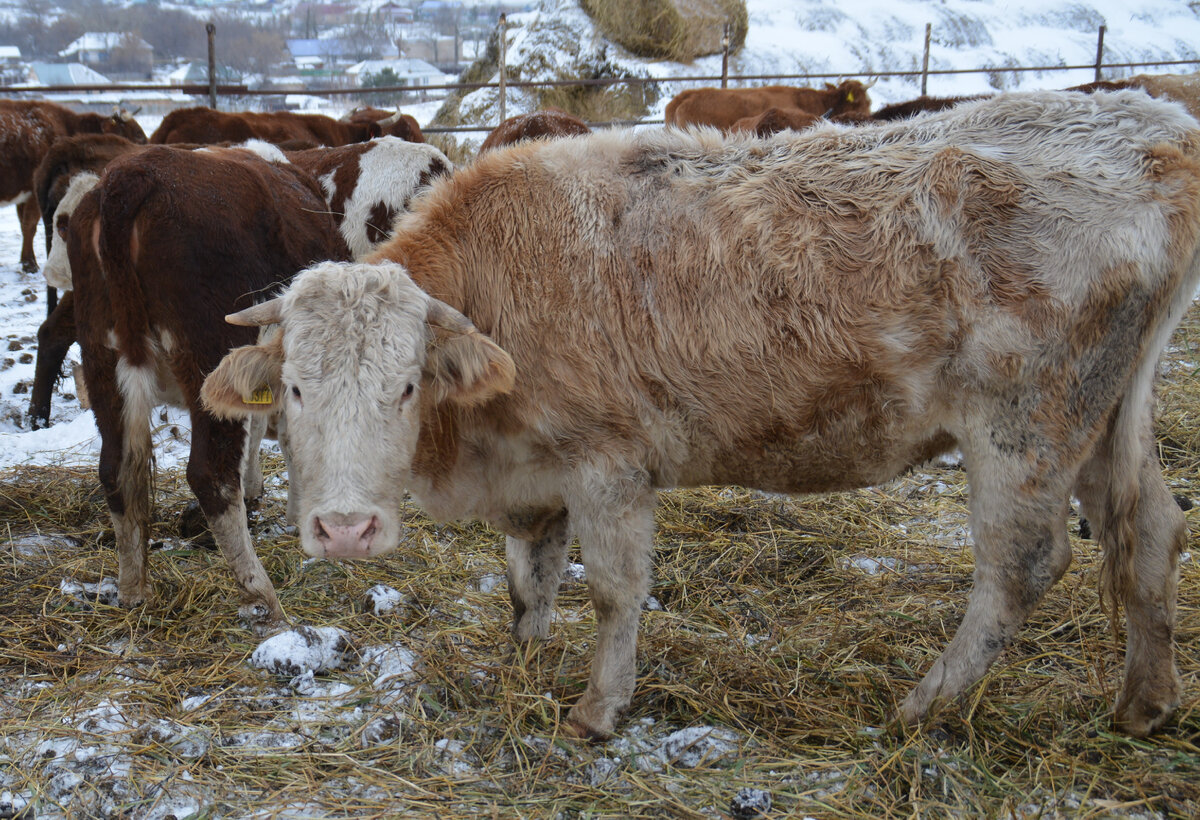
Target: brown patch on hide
(379, 223)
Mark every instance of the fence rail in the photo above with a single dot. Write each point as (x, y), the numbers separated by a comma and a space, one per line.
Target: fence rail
(213, 91)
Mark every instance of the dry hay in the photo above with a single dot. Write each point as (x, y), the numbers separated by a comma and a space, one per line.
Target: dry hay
(679, 30)
(789, 627)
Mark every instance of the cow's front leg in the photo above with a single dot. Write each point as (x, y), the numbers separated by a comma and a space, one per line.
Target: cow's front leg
(214, 474)
(616, 542)
(535, 570)
(1019, 526)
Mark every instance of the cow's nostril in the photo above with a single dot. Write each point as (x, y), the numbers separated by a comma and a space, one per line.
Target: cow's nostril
(319, 530)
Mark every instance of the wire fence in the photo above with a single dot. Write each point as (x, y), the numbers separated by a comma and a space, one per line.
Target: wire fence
(216, 92)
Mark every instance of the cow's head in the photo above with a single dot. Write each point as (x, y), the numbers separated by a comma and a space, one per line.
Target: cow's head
(57, 269)
(363, 356)
(123, 124)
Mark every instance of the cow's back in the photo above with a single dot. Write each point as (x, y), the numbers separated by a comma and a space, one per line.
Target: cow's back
(171, 217)
(814, 289)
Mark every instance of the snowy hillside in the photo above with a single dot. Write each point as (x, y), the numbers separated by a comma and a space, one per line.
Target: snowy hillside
(864, 37)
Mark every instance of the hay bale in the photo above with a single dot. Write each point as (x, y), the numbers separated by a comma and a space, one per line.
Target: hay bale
(670, 29)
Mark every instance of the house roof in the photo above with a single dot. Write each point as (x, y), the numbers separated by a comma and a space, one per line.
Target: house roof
(197, 73)
(325, 47)
(10, 52)
(403, 67)
(104, 41)
(65, 74)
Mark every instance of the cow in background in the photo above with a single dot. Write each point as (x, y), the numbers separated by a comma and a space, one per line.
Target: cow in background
(774, 120)
(391, 123)
(548, 123)
(543, 350)
(206, 126)
(722, 107)
(27, 130)
(920, 105)
(160, 250)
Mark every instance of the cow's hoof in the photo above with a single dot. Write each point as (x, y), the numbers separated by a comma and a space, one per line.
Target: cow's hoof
(29, 267)
(259, 618)
(575, 729)
(1143, 719)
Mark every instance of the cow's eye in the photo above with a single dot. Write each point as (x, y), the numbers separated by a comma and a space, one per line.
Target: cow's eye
(409, 389)
(296, 392)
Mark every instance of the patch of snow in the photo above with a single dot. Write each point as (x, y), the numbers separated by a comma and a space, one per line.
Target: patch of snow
(304, 649)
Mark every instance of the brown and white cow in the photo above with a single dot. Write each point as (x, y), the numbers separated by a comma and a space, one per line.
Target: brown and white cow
(160, 250)
(205, 126)
(722, 107)
(563, 327)
(369, 183)
(27, 130)
(546, 124)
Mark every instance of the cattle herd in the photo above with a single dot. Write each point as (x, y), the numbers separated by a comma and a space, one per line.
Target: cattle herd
(803, 297)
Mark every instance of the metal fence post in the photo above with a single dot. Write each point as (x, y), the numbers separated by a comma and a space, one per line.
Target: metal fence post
(725, 57)
(503, 60)
(925, 60)
(212, 67)
(1099, 51)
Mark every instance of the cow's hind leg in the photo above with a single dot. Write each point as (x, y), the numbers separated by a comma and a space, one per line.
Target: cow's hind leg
(215, 475)
(615, 528)
(1142, 535)
(29, 215)
(535, 569)
(123, 421)
(1019, 527)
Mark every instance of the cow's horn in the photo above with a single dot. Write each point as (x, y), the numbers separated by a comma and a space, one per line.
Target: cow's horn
(264, 313)
(134, 112)
(392, 120)
(870, 84)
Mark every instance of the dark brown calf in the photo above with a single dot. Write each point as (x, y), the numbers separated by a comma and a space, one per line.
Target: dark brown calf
(774, 120)
(167, 244)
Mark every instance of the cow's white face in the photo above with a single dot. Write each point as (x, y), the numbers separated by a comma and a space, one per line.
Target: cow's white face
(362, 351)
(57, 269)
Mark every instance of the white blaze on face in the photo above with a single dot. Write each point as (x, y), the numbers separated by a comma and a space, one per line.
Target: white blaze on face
(354, 339)
(58, 267)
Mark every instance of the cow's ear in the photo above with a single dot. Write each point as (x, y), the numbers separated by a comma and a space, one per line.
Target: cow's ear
(248, 381)
(462, 365)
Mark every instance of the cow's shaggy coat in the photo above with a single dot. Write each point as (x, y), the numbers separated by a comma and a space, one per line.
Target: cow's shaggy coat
(806, 313)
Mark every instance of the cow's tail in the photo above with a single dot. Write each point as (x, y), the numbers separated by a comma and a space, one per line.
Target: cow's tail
(124, 192)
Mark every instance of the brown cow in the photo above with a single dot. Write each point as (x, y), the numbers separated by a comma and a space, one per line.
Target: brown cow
(167, 244)
(921, 105)
(203, 126)
(682, 309)
(550, 123)
(722, 107)
(1182, 88)
(774, 120)
(27, 130)
(393, 123)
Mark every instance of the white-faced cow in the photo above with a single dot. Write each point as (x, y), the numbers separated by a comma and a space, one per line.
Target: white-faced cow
(27, 130)
(160, 250)
(563, 327)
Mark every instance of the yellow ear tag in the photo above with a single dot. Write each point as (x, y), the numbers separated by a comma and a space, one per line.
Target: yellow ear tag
(262, 395)
(849, 96)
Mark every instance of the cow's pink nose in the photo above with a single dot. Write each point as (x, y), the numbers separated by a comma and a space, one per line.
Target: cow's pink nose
(345, 535)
